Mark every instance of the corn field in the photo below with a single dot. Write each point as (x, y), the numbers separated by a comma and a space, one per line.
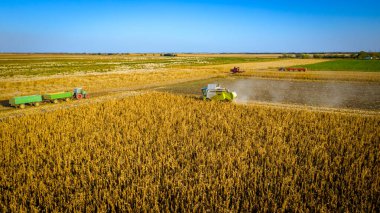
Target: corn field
(163, 152)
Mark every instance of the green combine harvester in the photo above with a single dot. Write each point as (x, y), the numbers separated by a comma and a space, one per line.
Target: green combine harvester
(216, 92)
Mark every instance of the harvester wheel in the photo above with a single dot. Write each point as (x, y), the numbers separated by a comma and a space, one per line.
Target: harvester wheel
(87, 96)
(22, 106)
(55, 101)
(36, 104)
(79, 96)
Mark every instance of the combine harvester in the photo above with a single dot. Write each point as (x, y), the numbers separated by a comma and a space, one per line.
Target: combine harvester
(216, 92)
(236, 70)
(35, 100)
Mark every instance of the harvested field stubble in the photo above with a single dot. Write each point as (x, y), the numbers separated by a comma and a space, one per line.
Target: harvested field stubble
(99, 82)
(53, 64)
(166, 152)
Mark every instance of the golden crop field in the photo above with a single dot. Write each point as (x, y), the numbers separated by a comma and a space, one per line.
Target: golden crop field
(164, 152)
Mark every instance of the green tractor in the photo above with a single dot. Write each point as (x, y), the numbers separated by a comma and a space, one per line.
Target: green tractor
(216, 92)
(80, 93)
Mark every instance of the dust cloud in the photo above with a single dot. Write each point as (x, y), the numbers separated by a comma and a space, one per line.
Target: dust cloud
(327, 94)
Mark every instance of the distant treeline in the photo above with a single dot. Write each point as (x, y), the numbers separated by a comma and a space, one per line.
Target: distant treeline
(359, 55)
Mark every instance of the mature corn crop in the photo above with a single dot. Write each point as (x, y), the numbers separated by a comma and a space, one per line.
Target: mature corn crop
(164, 152)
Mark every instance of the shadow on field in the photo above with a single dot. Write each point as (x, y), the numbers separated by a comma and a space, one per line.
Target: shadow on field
(5, 103)
(194, 97)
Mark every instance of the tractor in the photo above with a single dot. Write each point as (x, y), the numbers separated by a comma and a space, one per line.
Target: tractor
(80, 93)
(216, 92)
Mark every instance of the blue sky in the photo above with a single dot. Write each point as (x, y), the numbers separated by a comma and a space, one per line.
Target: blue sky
(189, 26)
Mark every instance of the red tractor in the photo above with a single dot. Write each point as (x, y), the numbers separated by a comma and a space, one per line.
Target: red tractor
(292, 69)
(236, 70)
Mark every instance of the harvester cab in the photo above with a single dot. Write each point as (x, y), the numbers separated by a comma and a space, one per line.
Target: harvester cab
(216, 92)
(80, 93)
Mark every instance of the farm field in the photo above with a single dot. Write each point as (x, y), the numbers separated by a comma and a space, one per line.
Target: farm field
(86, 74)
(346, 65)
(53, 64)
(145, 140)
(167, 152)
(25, 79)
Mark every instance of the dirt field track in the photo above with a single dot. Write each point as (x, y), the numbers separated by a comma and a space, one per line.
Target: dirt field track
(333, 94)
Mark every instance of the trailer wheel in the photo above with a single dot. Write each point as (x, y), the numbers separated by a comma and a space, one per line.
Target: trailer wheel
(36, 104)
(79, 96)
(22, 106)
(87, 96)
(55, 101)
(67, 99)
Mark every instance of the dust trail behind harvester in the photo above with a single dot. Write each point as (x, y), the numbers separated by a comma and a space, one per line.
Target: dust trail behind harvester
(251, 90)
(326, 94)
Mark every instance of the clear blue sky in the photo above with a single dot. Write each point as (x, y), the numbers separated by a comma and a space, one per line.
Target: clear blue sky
(189, 26)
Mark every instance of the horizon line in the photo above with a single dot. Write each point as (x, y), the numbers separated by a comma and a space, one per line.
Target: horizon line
(253, 53)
